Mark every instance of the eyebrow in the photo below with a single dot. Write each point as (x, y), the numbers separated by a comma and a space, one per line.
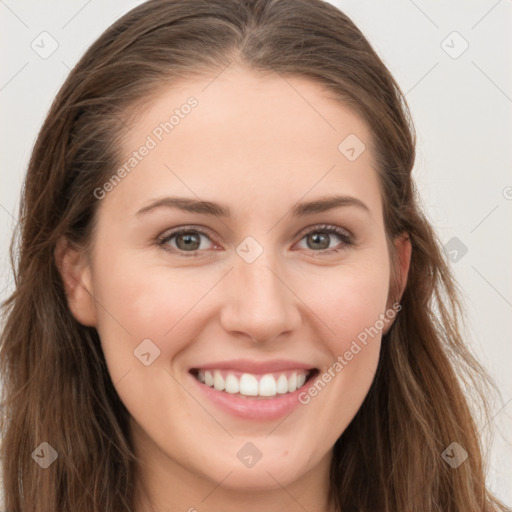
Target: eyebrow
(322, 204)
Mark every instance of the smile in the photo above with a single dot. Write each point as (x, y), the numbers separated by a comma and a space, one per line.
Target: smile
(258, 391)
(253, 385)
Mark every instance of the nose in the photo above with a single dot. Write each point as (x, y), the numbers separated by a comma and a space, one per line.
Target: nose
(260, 302)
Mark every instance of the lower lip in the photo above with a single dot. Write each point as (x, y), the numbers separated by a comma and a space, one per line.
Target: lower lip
(253, 408)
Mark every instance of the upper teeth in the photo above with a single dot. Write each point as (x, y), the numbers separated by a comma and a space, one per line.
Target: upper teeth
(249, 385)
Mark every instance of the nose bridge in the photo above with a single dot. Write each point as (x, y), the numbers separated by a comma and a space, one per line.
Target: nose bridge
(260, 304)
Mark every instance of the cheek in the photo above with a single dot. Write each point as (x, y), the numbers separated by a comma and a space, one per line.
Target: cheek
(352, 307)
(136, 303)
(350, 300)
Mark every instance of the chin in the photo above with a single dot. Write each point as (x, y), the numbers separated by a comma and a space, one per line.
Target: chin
(261, 477)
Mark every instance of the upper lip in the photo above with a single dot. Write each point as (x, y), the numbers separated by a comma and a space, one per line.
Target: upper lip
(256, 367)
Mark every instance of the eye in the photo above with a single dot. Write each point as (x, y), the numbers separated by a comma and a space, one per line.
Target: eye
(187, 240)
(184, 240)
(319, 237)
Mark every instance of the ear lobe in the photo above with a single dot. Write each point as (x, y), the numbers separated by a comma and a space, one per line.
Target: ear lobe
(403, 251)
(75, 272)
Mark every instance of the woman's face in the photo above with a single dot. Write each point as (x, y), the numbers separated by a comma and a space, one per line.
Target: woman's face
(257, 293)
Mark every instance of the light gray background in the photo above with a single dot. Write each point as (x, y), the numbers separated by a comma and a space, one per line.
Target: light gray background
(461, 105)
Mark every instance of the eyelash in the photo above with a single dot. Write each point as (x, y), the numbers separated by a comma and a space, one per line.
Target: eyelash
(346, 239)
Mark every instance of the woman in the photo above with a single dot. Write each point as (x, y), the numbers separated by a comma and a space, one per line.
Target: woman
(305, 353)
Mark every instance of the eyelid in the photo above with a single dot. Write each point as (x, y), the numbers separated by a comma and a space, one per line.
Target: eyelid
(185, 228)
(320, 227)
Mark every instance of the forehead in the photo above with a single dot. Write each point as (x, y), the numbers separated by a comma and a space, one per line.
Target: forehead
(250, 139)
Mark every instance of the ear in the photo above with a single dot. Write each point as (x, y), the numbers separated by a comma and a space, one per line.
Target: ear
(75, 272)
(403, 251)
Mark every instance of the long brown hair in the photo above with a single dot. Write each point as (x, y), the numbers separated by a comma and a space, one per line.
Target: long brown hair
(56, 387)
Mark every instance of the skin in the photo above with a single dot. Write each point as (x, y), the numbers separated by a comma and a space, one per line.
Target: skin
(259, 144)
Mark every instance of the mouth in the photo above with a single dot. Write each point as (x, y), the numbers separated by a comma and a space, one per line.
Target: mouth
(253, 390)
(267, 386)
